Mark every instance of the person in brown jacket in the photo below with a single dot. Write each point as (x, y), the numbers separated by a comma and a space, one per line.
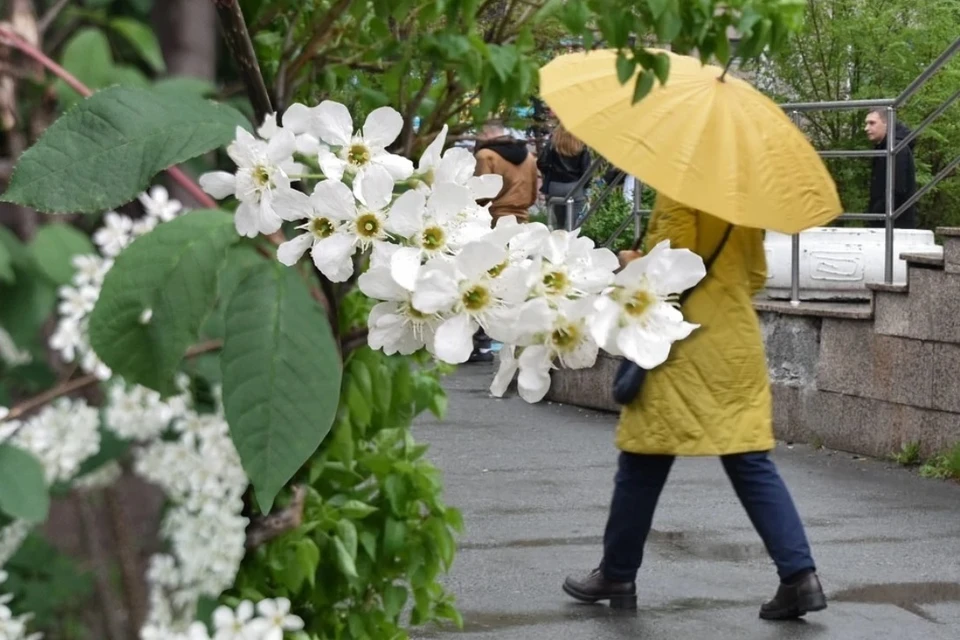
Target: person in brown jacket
(500, 154)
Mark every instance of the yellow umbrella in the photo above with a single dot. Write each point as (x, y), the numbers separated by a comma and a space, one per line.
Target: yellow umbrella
(717, 146)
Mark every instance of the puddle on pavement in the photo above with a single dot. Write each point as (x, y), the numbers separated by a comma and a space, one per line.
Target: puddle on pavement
(909, 596)
(699, 546)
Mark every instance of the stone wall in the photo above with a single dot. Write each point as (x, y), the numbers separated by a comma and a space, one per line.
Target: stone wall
(866, 378)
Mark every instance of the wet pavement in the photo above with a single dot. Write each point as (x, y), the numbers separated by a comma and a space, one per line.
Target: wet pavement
(534, 483)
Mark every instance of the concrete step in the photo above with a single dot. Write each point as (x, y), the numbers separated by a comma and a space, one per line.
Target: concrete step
(854, 310)
(923, 260)
(931, 310)
(951, 248)
(883, 287)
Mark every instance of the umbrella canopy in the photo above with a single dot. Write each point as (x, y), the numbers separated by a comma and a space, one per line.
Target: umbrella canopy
(717, 146)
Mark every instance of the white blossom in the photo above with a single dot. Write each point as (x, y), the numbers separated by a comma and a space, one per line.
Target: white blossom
(357, 152)
(158, 204)
(62, 437)
(638, 317)
(115, 234)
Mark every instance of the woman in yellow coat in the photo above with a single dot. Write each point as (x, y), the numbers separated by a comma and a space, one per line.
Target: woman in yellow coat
(710, 398)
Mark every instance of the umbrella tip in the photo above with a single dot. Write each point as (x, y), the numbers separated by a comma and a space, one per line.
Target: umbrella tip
(726, 68)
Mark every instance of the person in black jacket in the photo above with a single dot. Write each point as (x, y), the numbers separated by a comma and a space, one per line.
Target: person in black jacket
(905, 172)
(564, 161)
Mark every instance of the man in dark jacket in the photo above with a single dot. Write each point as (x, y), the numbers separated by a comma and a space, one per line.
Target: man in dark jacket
(905, 172)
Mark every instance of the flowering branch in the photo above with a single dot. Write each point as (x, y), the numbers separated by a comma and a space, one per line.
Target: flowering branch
(71, 386)
(267, 528)
(12, 39)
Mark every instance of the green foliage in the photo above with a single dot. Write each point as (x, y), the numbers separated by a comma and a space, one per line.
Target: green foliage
(105, 151)
(601, 226)
(88, 58)
(281, 376)
(852, 49)
(142, 39)
(157, 296)
(28, 296)
(943, 466)
(49, 585)
(909, 454)
(54, 247)
(24, 492)
(376, 535)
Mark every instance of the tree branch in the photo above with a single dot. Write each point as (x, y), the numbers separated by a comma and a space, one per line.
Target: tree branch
(262, 530)
(10, 38)
(316, 40)
(71, 386)
(44, 23)
(235, 33)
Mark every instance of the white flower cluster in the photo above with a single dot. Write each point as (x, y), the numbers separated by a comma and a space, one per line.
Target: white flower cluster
(61, 437)
(77, 300)
(439, 270)
(13, 627)
(237, 624)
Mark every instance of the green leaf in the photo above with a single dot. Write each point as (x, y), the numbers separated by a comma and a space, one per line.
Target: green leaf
(644, 85)
(368, 541)
(308, 558)
(344, 560)
(394, 599)
(171, 275)
(454, 518)
(347, 533)
(670, 23)
(24, 492)
(356, 510)
(281, 376)
(53, 250)
(625, 67)
(394, 533)
(657, 7)
(185, 85)
(87, 57)
(661, 67)
(503, 59)
(141, 38)
(104, 152)
(6, 265)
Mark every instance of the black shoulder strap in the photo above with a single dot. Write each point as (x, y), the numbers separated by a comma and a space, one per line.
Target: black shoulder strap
(709, 262)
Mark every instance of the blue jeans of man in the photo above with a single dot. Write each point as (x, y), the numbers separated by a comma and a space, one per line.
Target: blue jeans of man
(639, 481)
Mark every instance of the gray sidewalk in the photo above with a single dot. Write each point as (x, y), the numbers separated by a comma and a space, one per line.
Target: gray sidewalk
(534, 484)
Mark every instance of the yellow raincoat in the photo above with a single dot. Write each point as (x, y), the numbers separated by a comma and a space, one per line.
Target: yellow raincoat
(712, 395)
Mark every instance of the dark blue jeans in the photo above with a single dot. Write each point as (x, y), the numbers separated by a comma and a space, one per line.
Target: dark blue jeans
(638, 483)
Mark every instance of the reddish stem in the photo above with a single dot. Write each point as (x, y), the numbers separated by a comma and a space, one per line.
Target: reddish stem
(13, 39)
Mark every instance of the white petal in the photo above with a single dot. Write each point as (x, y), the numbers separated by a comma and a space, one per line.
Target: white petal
(307, 144)
(269, 220)
(431, 155)
(374, 187)
(642, 347)
(457, 166)
(453, 342)
(435, 291)
(405, 267)
(676, 271)
(331, 166)
(477, 258)
(399, 167)
(291, 204)
(243, 149)
(269, 127)
(536, 316)
(486, 186)
(334, 124)
(246, 219)
(332, 199)
(508, 369)
(501, 324)
(448, 200)
(332, 256)
(290, 252)
(603, 324)
(583, 356)
(390, 332)
(281, 146)
(556, 246)
(219, 184)
(377, 283)
(382, 253)
(382, 127)
(299, 118)
(534, 379)
(406, 214)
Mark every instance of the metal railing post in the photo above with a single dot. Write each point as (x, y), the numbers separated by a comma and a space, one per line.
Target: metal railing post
(568, 223)
(891, 206)
(795, 247)
(637, 195)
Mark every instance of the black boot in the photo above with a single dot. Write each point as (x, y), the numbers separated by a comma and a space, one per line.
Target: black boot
(795, 598)
(594, 588)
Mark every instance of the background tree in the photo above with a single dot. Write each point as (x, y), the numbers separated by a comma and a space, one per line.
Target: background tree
(860, 49)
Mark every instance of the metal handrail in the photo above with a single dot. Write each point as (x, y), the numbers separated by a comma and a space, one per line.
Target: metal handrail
(892, 148)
